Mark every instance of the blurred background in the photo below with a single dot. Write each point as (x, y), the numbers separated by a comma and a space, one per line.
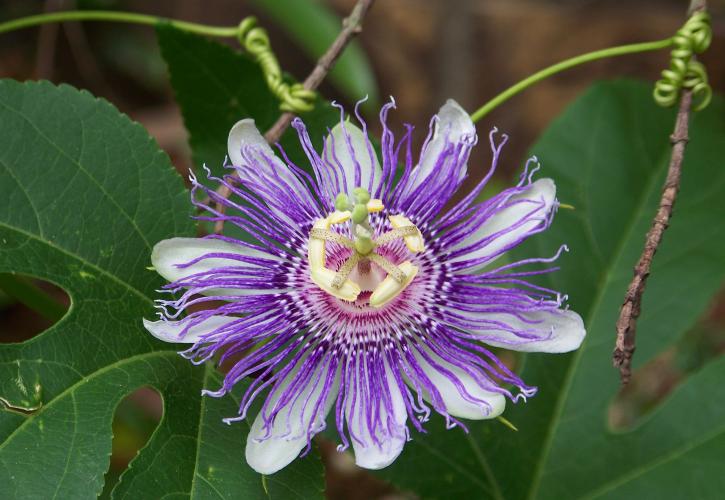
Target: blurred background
(419, 51)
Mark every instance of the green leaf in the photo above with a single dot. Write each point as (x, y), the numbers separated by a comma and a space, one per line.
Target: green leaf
(314, 27)
(608, 154)
(84, 194)
(216, 86)
(215, 456)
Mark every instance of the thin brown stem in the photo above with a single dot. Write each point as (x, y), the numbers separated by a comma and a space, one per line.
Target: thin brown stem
(351, 26)
(627, 322)
(47, 44)
(631, 307)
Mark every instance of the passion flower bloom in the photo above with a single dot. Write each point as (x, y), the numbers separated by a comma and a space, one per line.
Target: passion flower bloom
(363, 289)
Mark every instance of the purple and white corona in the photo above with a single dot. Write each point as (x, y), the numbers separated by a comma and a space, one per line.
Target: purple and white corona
(365, 290)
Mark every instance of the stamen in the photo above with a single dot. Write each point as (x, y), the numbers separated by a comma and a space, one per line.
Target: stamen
(338, 217)
(345, 270)
(395, 234)
(336, 283)
(321, 276)
(324, 278)
(390, 288)
(388, 266)
(414, 243)
(324, 234)
(375, 205)
(316, 246)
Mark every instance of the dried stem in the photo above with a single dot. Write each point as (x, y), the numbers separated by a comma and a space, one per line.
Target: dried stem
(627, 322)
(351, 26)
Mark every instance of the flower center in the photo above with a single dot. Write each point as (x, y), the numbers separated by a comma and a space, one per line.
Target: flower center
(365, 270)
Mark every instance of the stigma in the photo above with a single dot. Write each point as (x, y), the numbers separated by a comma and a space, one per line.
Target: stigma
(364, 247)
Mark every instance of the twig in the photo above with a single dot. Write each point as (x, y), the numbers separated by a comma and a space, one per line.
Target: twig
(627, 322)
(47, 44)
(85, 60)
(351, 26)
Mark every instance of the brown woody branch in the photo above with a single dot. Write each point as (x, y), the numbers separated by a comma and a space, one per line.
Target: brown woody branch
(351, 26)
(627, 322)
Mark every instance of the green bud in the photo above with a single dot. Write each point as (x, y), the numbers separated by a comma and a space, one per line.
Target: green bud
(359, 213)
(342, 203)
(361, 195)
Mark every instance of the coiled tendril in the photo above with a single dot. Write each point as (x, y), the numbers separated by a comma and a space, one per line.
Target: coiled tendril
(684, 72)
(254, 39)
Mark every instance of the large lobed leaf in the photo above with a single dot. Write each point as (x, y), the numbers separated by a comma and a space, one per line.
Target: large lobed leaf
(608, 154)
(84, 195)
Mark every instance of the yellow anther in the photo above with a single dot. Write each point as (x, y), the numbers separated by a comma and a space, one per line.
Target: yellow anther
(375, 205)
(389, 288)
(316, 246)
(324, 277)
(338, 217)
(413, 242)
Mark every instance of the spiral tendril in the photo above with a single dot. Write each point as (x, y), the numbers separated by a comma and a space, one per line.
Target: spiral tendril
(684, 72)
(293, 96)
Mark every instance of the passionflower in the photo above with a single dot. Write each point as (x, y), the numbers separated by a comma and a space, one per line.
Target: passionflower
(361, 288)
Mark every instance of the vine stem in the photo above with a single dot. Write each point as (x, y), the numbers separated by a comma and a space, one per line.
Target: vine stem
(351, 26)
(118, 17)
(629, 313)
(564, 65)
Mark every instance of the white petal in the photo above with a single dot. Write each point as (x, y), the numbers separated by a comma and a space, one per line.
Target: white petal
(389, 429)
(523, 206)
(453, 125)
(169, 331)
(561, 331)
(244, 134)
(358, 150)
(168, 254)
(268, 453)
(456, 405)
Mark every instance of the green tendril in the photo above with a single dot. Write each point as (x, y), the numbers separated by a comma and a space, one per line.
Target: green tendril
(554, 69)
(295, 98)
(684, 72)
